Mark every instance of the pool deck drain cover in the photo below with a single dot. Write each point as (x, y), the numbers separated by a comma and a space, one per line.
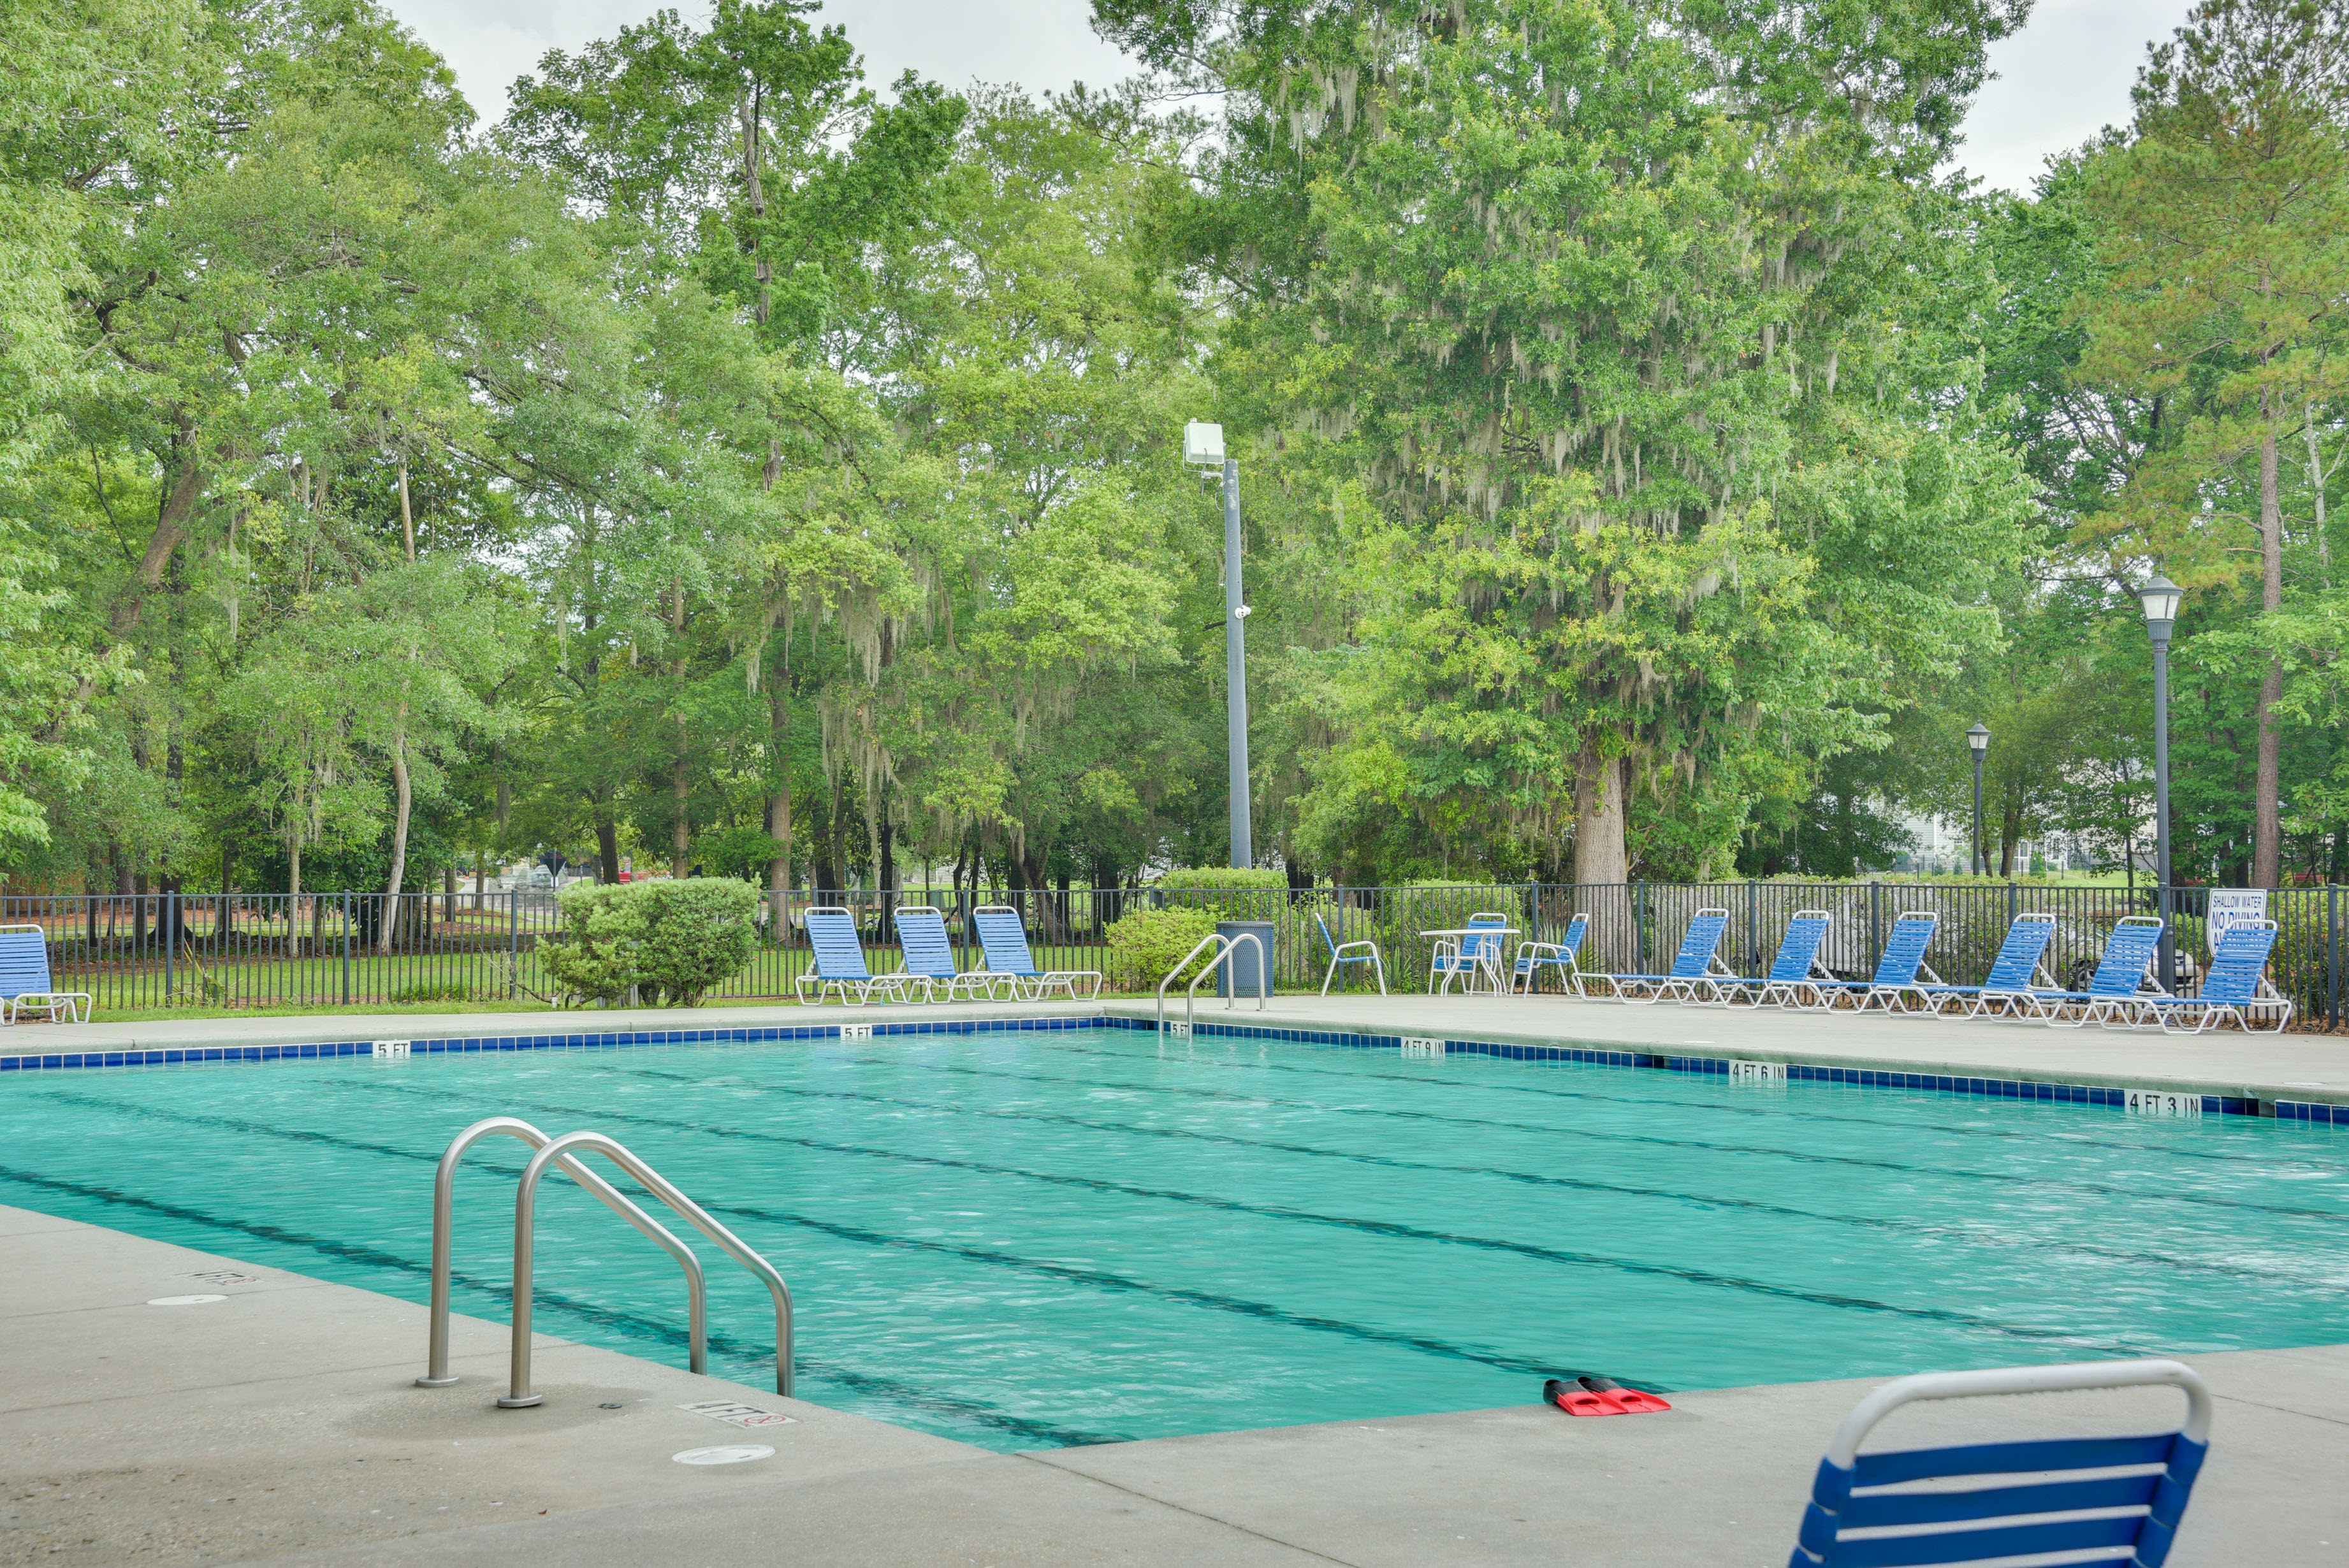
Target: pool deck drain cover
(730, 1454)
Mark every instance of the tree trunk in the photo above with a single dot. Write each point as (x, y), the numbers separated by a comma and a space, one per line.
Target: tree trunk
(403, 795)
(2267, 830)
(681, 833)
(172, 521)
(1600, 856)
(607, 843)
(406, 518)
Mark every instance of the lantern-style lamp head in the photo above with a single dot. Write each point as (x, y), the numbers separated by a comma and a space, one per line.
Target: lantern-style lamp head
(1203, 445)
(2160, 599)
(1978, 739)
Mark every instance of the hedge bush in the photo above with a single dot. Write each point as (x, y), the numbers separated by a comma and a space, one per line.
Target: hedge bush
(668, 942)
(1145, 943)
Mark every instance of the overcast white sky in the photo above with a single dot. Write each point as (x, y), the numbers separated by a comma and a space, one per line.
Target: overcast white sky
(2061, 79)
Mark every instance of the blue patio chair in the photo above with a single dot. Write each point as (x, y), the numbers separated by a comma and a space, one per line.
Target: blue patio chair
(24, 978)
(930, 956)
(1697, 974)
(1345, 952)
(1004, 942)
(2109, 1500)
(1798, 978)
(840, 961)
(1903, 981)
(1532, 957)
(2018, 985)
(2236, 986)
(1465, 957)
(2123, 984)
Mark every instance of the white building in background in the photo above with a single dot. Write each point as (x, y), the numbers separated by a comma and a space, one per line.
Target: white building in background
(1939, 847)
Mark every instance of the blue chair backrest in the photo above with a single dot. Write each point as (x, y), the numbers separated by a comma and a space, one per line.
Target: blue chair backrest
(1479, 944)
(922, 937)
(1904, 950)
(1570, 944)
(2129, 951)
(1799, 948)
(24, 960)
(2018, 956)
(1697, 947)
(1004, 940)
(2242, 959)
(839, 954)
(1962, 1537)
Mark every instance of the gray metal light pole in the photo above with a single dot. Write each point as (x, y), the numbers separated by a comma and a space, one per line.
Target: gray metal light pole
(2159, 599)
(1235, 613)
(1203, 447)
(1978, 739)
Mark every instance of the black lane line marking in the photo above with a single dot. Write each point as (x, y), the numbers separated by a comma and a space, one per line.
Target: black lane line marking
(625, 1324)
(1362, 1226)
(1805, 1157)
(1240, 1304)
(1959, 1233)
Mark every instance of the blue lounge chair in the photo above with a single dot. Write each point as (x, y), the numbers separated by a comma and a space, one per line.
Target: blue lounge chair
(1903, 981)
(2123, 983)
(1466, 958)
(24, 978)
(2018, 985)
(1003, 940)
(2236, 986)
(930, 957)
(2109, 1500)
(1532, 957)
(1797, 977)
(1697, 974)
(1361, 950)
(840, 961)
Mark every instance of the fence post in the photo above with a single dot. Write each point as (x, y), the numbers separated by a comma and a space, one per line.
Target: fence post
(171, 938)
(346, 947)
(1639, 925)
(1752, 926)
(2332, 953)
(514, 944)
(963, 909)
(1875, 925)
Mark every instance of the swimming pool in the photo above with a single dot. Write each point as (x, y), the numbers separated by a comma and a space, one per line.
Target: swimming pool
(1026, 1240)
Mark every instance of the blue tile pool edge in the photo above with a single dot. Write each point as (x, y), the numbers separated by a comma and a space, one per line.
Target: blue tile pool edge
(2312, 1113)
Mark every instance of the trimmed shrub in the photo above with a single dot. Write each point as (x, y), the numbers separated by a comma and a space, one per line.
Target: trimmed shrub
(671, 941)
(1146, 943)
(697, 932)
(1227, 892)
(601, 953)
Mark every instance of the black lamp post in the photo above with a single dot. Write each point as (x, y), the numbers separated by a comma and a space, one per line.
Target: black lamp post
(1978, 739)
(2159, 599)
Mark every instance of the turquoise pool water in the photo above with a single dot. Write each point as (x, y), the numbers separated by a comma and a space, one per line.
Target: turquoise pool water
(1026, 1240)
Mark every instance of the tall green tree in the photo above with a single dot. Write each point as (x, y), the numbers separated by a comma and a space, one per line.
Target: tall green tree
(1602, 305)
(2225, 234)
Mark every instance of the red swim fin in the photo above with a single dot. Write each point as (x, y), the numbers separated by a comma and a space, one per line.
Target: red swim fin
(1625, 1402)
(1577, 1400)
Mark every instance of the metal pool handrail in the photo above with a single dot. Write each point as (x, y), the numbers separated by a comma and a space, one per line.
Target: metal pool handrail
(444, 1191)
(1209, 940)
(1222, 959)
(525, 1207)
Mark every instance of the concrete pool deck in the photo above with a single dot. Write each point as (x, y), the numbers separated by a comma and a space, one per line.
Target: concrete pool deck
(2310, 1069)
(279, 1426)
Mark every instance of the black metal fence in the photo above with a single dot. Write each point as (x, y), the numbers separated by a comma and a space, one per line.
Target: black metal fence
(195, 951)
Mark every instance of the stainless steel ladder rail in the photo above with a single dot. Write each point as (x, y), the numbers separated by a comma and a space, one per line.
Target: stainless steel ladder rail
(557, 1152)
(444, 1191)
(1222, 957)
